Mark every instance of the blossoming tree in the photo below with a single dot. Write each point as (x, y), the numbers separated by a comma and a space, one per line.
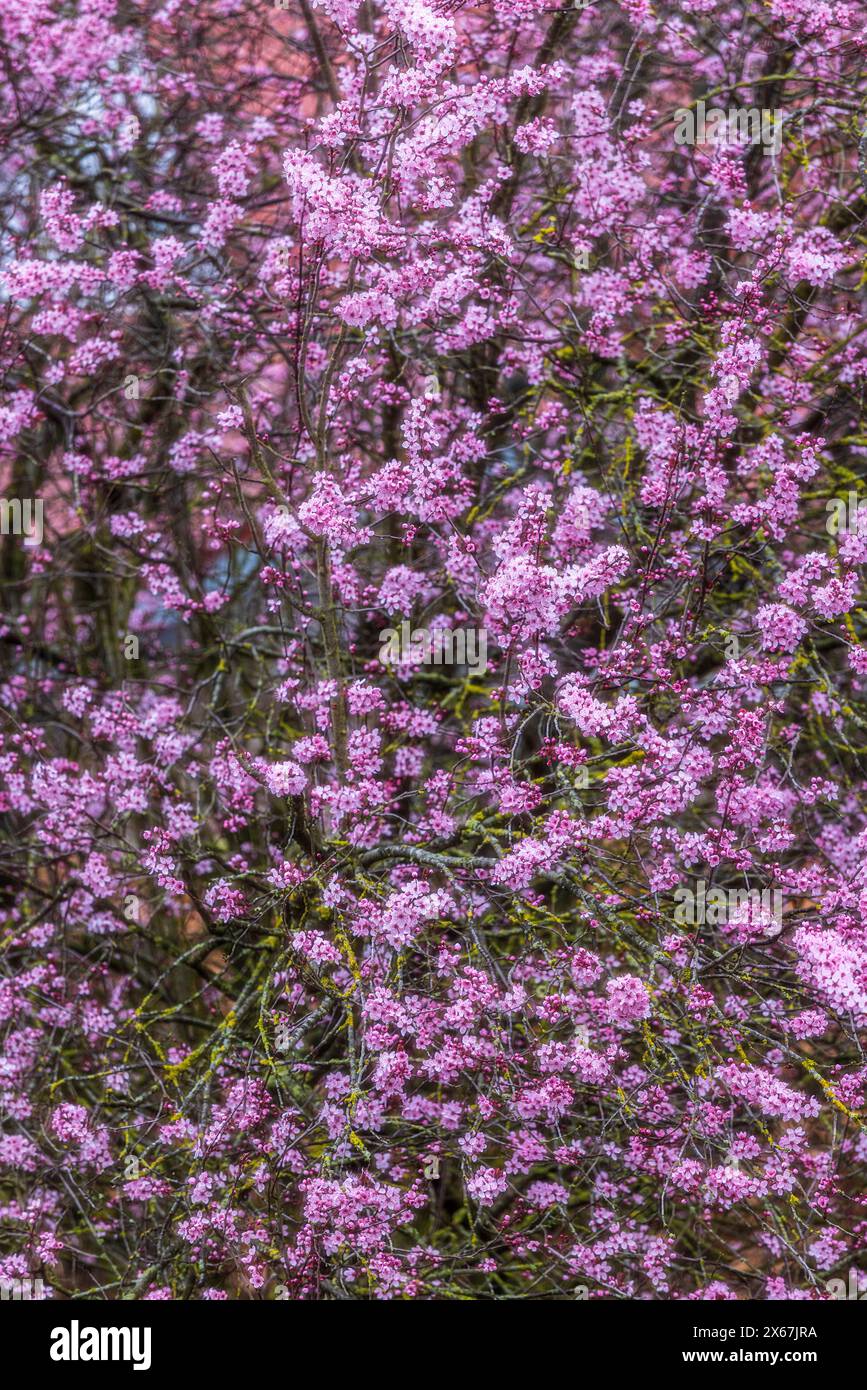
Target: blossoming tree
(326, 975)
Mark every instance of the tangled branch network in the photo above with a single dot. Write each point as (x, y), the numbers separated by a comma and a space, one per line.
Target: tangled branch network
(433, 677)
